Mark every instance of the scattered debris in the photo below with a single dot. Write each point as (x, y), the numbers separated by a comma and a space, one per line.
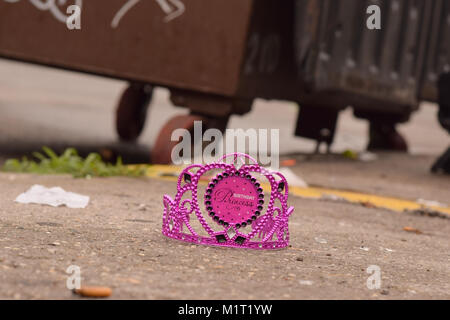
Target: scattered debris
(142, 207)
(368, 204)
(430, 203)
(54, 197)
(94, 292)
(320, 240)
(288, 163)
(363, 156)
(306, 282)
(364, 248)
(49, 224)
(350, 154)
(427, 212)
(332, 197)
(293, 179)
(411, 229)
(367, 157)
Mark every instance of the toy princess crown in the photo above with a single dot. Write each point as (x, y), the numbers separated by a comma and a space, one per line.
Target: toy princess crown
(233, 204)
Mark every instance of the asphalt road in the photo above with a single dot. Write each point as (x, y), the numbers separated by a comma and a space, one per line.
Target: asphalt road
(117, 242)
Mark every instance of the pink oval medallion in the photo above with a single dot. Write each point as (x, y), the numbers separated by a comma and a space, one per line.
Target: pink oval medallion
(234, 199)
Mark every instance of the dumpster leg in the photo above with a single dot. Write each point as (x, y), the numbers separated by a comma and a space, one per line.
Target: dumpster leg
(383, 134)
(162, 149)
(132, 109)
(442, 165)
(214, 112)
(317, 123)
(385, 137)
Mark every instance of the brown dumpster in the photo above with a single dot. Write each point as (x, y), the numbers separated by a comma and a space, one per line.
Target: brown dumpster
(215, 56)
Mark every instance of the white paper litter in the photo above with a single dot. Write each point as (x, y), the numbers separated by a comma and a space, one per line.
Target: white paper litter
(430, 203)
(367, 156)
(320, 240)
(54, 197)
(292, 178)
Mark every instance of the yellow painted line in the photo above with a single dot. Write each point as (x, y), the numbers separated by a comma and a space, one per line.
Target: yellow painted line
(390, 203)
(170, 173)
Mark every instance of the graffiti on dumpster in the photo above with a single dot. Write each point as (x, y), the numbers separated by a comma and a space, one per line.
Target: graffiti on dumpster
(52, 6)
(172, 8)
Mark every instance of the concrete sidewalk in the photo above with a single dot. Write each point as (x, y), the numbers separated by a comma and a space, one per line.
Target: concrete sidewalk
(117, 242)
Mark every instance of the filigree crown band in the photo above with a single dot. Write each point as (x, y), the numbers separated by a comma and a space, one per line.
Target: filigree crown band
(235, 213)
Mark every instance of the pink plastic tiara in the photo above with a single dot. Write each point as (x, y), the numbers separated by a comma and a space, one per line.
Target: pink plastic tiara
(233, 203)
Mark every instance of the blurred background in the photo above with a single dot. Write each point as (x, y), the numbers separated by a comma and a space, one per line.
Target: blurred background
(44, 106)
(335, 74)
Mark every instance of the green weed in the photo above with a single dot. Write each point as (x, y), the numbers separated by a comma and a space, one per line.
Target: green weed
(69, 162)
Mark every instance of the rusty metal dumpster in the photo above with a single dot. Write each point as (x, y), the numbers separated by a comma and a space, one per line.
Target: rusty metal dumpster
(344, 63)
(215, 56)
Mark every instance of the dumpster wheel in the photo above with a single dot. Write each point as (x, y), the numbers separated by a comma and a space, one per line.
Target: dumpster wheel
(132, 111)
(162, 149)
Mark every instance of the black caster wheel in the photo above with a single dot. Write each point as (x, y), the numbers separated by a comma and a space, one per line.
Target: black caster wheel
(132, 111)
